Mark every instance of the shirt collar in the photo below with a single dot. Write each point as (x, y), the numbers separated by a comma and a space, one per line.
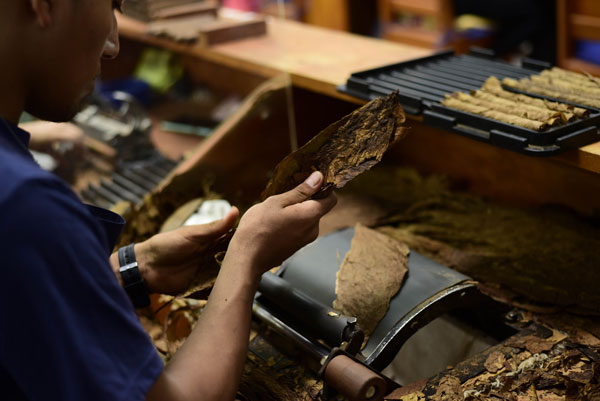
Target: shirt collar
(14, 135)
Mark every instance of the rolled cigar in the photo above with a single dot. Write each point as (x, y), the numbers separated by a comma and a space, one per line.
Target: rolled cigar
(566, 86)
(580, 80)
(575, 76)
(509, 107)
(568, 111)
(454, 103)
(519, 101)
(512, 101)
(527, 85)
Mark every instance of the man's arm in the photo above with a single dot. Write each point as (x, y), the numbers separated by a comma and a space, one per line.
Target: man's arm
(70, 332)
(209, 365)
(45, 134)
(169, 261)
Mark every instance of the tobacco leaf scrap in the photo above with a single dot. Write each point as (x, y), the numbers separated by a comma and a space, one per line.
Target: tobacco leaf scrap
(495, 362)
(559, 373)
(449, 389)
(343, 150)
(534, 344)
(408, 392)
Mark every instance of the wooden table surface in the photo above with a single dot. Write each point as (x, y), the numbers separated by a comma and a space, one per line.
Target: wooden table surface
(317, 59)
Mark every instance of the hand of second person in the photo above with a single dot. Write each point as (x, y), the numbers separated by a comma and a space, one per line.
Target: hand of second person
(169, 261)
(273, 230)
(45, 135)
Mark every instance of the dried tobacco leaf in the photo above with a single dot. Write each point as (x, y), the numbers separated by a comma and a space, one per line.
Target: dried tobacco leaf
(535, 344)
(495, 362)
(449, 390)
(370, 275)
(343, 150)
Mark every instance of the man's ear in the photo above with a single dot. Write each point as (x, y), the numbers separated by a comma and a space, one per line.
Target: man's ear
(42, 9)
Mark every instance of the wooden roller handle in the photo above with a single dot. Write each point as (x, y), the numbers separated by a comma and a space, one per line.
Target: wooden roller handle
(353, 380)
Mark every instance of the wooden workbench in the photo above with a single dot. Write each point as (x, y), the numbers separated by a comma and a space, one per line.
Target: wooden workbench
(319, 60)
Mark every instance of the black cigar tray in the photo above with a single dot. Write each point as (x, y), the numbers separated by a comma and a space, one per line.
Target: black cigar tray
(422, 84)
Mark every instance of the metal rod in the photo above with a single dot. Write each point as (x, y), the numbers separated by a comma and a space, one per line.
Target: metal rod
(148, 175)
(126, 183)
(456, 72)
(314, 349)
(321, 321)
(490, 69)
(159, 171)
(517, 69)
(401, 78)
(386, 88)
(118, 190)
(105, 193)
(432, 80)
(432, 72)
(93, 198)
(139, 180)
(399, 84)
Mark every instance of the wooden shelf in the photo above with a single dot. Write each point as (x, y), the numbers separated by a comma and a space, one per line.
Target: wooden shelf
(318, 60)
(439, 12)
(415, 36)
(422, 7)
(585, 26)
(575, 64)
(576, 20)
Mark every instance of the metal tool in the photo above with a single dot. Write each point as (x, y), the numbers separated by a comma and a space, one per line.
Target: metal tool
(296, 304)
(337, 366)
(129, 183)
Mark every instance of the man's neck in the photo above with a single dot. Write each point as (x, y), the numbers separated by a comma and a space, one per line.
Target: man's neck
(12, 88)
(12, 71)
(9, 110)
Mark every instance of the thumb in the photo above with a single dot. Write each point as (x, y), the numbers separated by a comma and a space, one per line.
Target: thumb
(304, 191)
(220, 227)
(213, 229)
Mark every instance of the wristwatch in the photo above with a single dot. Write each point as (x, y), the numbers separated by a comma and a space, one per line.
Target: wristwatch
(132, 278)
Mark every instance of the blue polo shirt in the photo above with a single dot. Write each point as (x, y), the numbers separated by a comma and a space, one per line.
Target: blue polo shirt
(68, 331)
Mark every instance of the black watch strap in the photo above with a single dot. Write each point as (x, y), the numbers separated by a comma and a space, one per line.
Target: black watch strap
(132, 278)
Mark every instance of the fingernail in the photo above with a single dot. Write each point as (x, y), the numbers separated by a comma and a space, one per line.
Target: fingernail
(314, 179)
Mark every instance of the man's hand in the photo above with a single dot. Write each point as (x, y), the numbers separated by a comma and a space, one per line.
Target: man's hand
(169, 261)
(267, 234)
(273, 230)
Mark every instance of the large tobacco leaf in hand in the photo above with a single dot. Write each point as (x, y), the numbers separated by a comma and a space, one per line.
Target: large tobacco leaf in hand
(343, 150)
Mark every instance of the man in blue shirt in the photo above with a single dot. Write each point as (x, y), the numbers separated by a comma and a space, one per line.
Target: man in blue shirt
(68, 330)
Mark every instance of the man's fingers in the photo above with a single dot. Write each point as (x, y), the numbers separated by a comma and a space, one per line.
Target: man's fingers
(304, 191)
(328, 203)
(317, 207)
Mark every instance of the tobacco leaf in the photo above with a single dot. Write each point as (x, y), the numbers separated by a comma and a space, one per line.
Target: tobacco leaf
(371, 273)
(343, 150)
(498, 244)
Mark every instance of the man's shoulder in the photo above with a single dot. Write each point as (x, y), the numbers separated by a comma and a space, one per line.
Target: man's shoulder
(32, 197)
(18, 171)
